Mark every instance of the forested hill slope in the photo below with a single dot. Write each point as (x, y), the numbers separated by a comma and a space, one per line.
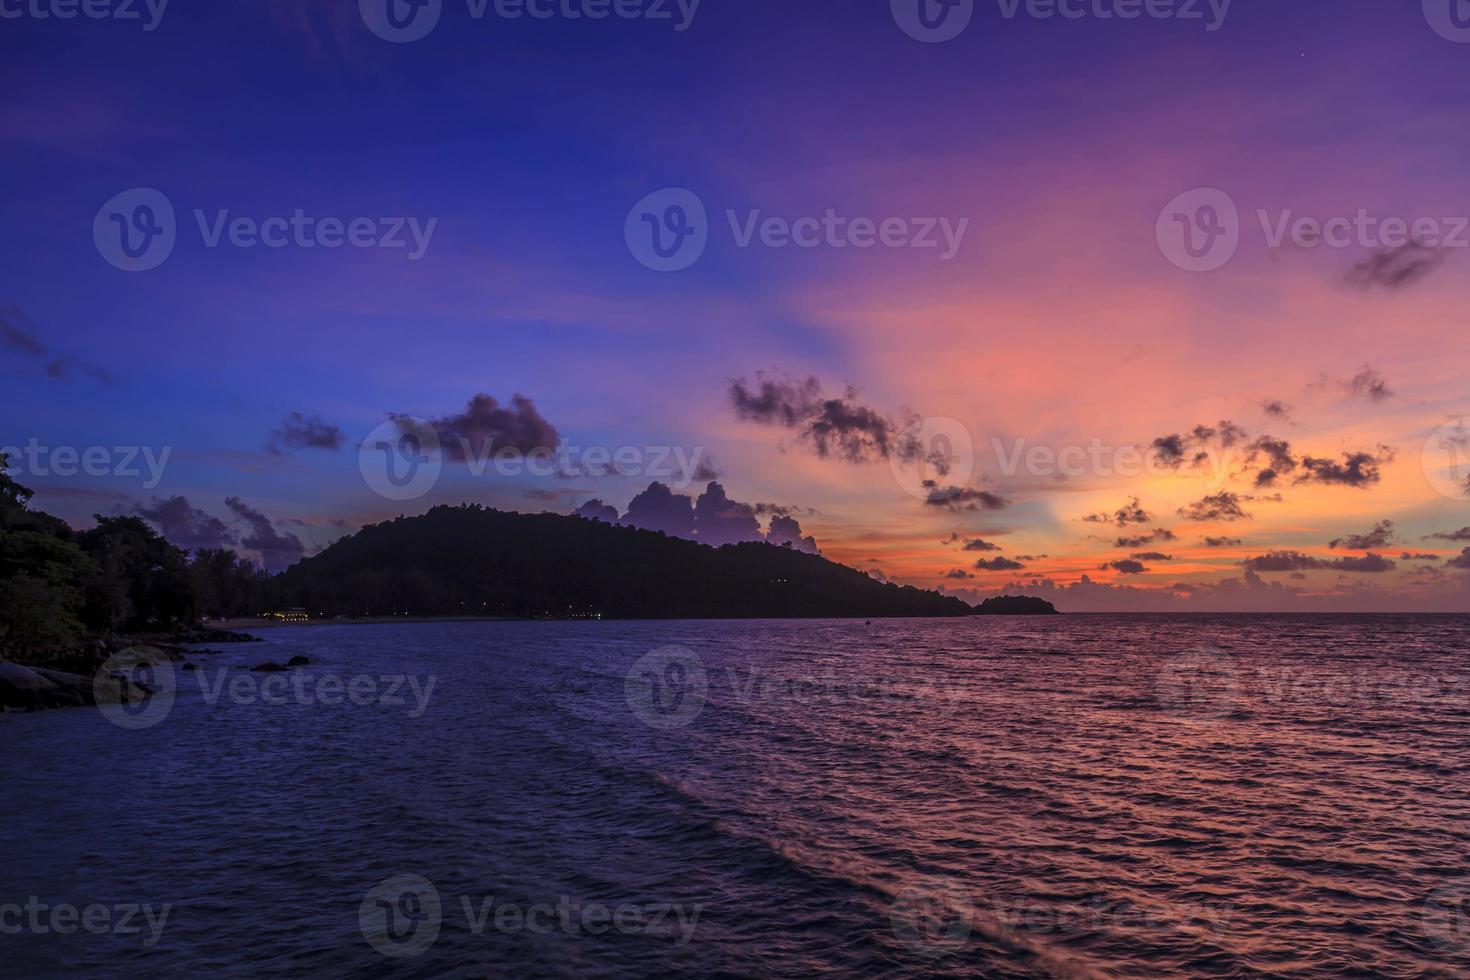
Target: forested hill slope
(470, 560)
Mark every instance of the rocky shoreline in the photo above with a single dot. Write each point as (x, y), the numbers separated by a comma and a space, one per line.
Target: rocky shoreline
(101, 671)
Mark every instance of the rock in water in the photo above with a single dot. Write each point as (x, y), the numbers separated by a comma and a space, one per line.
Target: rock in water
(37, 688)
(22, 689)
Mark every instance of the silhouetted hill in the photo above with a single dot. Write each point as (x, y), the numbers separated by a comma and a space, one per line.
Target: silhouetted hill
(474, 560)
(1015, 605)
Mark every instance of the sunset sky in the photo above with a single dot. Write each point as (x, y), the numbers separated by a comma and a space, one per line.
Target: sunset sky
(1056, 152)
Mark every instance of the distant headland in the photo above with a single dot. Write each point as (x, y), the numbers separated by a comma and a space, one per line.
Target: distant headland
(1015, 605)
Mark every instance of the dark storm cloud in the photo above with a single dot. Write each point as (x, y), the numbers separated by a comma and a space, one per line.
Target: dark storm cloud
(1170, 450)
(1278, 455)
(840, 428)
(1378, 537)
(61, 368)
(1359, 469)
(1130, 513)
(714, 519)
(1222, 542)
(277, 551)
(1151, 556)
(718, 520)
(1174, 450)
(958, 573)
(980, 544)
(962, 498)
(1418, 556)
(486, 428)
(1276, 409)
(1463, 534)
(998, 564)
(1462, 561)
(1295, 561)
(1395, 268)
(660, 509)
(785, 532)
(1226, 434)
(185, 525)
(596, 510)
(1369, 383)
(1222, 506)
(1138, 541)
(306, 432)
(17, 334)
(1127, 566)
(776, 401)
